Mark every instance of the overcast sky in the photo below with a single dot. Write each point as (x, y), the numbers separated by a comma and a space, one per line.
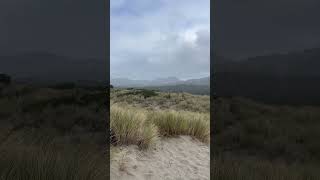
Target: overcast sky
(65, 27)
(160, 38)
(245, 28)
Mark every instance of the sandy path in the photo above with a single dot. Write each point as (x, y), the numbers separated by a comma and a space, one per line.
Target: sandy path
(171, 159)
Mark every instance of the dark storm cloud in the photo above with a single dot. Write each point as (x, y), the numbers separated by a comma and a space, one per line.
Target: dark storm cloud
(253, 27)
(66, 27)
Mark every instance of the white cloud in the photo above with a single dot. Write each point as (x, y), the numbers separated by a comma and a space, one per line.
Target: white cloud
(160, 39)
(115, 4)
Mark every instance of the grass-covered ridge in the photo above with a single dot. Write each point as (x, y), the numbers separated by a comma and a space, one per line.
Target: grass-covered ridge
(161, 100)
(52, 133)
(258, 141)
(140, 120)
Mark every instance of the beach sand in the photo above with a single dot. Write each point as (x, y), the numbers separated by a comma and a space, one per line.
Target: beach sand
(181, 158)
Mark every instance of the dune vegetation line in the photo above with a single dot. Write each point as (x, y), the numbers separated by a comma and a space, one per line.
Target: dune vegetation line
(141, 117)
(136, 126)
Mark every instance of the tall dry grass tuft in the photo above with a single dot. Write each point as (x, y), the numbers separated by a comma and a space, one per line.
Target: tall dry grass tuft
(140, 120)
(130, 127)
(19, 161)
(52, 134)
(236, 169)
(172, 123)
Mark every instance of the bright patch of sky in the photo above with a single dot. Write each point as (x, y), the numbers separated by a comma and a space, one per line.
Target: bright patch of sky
(160, 38)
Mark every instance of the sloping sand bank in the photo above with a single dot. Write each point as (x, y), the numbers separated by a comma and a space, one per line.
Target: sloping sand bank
(172, 159)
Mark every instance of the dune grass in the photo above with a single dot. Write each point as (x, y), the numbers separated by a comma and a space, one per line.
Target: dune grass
(259, 141)
(173, 123)
(130, 126)
(246, 169)
(52, 134)
(162, 100)
(142, 127)
(24, 158)
(141, 120)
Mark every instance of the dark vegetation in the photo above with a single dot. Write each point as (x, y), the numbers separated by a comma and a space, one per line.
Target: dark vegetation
(53, 132)
(192, 89)
(259, 141)
(139, 92)
(272, 131)
(64, 86)
(5, 79)
(153, 100)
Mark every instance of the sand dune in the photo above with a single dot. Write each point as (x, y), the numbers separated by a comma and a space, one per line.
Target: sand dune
(171, 159)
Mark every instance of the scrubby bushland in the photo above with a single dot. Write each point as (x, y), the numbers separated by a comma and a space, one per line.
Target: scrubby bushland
(161, 100)
(289, 133)
(139, 92)
(52, 133)
(141, 121)
(280, 142)
(5, 79)
(188, 88)
(255, 169)
(64, 86)
(50, 162)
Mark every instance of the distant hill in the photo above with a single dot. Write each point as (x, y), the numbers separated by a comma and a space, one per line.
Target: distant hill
(170, 84)
(125, 82)
(170, 81)
(291, 78)
(46, 67)
(292, 64)
(192, 89)
(199, 82)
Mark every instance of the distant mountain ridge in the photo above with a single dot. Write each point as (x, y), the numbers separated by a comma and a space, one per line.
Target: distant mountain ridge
(288, 78)
(47, 67)
(169, 81)
(291, 64)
